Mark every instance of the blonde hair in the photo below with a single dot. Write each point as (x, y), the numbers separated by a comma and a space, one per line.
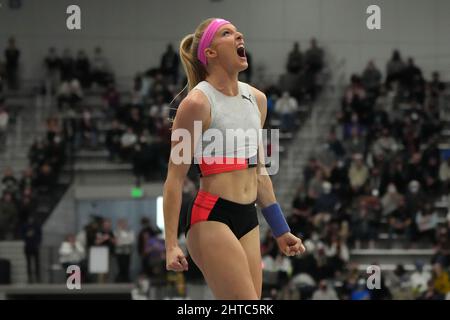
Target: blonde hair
(195, 70)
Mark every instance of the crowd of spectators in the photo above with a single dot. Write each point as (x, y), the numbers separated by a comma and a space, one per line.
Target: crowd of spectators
(374, 184)
(122, 244)
(380, 171)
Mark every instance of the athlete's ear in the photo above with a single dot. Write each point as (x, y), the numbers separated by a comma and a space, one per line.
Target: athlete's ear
(210, 53)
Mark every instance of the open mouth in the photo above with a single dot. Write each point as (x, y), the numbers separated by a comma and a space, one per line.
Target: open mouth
(241, 52)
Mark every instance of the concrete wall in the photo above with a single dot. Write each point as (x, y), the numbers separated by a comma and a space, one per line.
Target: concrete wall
(134, 33)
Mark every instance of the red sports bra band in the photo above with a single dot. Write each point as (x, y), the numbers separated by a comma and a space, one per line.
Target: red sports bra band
(213, 165)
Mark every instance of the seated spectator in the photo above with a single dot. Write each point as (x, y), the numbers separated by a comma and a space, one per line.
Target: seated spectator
(358, 174)
(88, 135)
(379, 120)
(135, 121)
(141, 90)
(374, 185)
(431, 293)
(401, 222)
(442, 253)
(360, 292)
(440, 279)
(363, 224)
(339, 179)
(302, 204)
(414, 197)
(9, 182)
(325, 205)
(286, 107)
(156, 113)
(419, 279)
(337, 254)
(113, 140)
(385, 145)
(427, 222)
(310, 171)
(127, 144)
(354, 144)
(334, 145)
(325, 292)
(279, 266)
(391, 200)
(354, 97)
(69, 93)
(27, 180)
(353, 124)
(395, 174)
(316, 183)
(37, 154)
(111, 97)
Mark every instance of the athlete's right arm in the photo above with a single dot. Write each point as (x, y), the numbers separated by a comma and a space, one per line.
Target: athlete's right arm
(194, 107)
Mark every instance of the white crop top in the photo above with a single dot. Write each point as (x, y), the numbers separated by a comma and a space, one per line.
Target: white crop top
(235, 118)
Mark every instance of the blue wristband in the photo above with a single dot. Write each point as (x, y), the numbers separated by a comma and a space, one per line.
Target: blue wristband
(276, 220)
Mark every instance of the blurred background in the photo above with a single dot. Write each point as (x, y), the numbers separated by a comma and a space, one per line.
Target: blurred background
(364, 117)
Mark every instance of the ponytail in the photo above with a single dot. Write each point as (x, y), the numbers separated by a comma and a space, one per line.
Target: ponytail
(195, 71)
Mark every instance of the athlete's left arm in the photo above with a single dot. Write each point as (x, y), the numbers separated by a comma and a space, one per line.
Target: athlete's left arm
(288, 243)
(266, 195)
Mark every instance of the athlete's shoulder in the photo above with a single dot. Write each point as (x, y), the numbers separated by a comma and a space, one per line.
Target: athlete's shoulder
(195, 103)
(261, 98)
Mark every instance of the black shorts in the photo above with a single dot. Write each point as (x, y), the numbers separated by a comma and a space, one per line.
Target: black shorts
(240, 218)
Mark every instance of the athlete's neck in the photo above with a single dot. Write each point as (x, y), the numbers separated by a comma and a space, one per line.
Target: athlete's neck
(224, 82)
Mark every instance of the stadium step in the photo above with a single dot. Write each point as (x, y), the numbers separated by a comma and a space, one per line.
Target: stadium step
(390, 256)
(14, 252)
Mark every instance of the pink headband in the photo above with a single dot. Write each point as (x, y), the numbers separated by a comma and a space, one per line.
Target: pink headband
(207, 37)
